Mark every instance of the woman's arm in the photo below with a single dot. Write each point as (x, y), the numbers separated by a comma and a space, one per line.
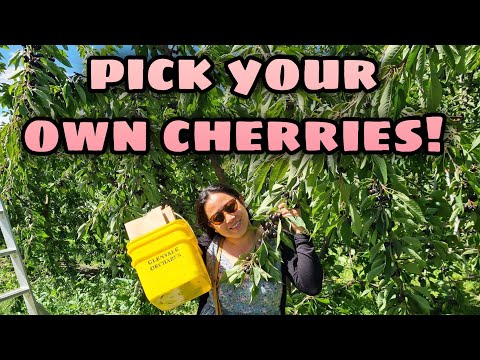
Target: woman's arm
(303, 266)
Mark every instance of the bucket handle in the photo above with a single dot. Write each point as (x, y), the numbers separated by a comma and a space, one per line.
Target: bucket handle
(180, 216)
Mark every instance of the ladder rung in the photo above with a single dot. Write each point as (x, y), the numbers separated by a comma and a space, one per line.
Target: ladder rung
(6, 252)
(13, 293)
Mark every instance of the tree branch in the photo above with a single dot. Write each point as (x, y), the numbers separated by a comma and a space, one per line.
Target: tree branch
(218, 170)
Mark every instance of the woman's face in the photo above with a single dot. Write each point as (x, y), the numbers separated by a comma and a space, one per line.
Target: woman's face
(234, 224)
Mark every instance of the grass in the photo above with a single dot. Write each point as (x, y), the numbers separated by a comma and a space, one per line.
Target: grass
(13, 307)
(96, 295)
(79, 294)
(8, 280)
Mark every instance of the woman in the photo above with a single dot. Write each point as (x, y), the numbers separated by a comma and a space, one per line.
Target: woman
(222, 213)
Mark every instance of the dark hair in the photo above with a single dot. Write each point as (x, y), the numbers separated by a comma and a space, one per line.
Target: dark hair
(202, 219)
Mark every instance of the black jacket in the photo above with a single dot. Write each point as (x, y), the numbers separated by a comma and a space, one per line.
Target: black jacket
(302, 267)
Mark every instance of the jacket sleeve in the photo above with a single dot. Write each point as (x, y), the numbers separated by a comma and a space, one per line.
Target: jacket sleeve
(303, 266)
(203, 243)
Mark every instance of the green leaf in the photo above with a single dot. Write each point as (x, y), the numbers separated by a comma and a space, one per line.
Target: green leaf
(310, 183)
(375, 103)
(55, 70)
(366, 227)
(305, 159)
(297, 220)
(382, 166)
(398, 182)
(253, 292)
(411, 267)
(375, 249)
(440, 245)
(475, 143)
(63, 60)
(276, 275)
(332, 164)
(414, 242)
(46, 99)
(278, 171)
(82, 230)
(256, 275)
(334, 225)
(23, 110)
(411, 205)
(15, 59)
(346, 233)
(356, 221)
(345, 189)
(317, 164)
(454, 214)
(266, 276)
(372, 274)
(151, 193)
(287, 241)
(260, 176)
(293, 163)
(424, 305)
(447, 54)
(279, 234)
(420, 69)
(232, 274)
(412, 57)
(460, 68)
(412, 253)
(275, 254)
(262, 253)
(415, 256)
(415, 210)
(434, 92)
(81, 92)
(385, 100)
(301, 102)
(380, 298)
(421, 290)
(390, 54)
(66, 91)
(364, 162)
(264, 108)
(234, 277)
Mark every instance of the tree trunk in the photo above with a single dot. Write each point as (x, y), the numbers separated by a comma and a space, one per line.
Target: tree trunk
(218, 170)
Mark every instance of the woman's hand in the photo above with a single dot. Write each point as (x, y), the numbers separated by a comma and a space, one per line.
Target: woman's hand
(285, 212)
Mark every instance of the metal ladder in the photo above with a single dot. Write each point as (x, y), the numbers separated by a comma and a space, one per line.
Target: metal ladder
(33, 307)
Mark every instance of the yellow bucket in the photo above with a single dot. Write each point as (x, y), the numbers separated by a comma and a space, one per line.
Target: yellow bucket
(169, 264)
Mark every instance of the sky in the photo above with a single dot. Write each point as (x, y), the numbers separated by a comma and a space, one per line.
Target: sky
(72, 55)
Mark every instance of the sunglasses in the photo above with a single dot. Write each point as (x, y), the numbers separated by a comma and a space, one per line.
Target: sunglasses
(230, 207)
